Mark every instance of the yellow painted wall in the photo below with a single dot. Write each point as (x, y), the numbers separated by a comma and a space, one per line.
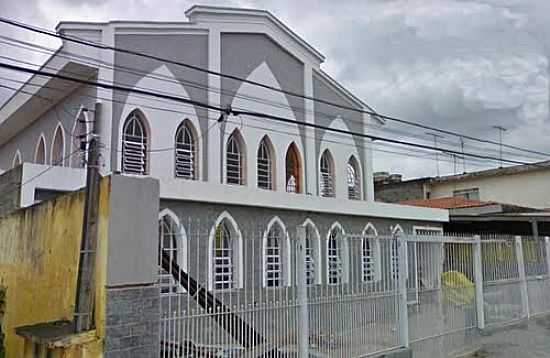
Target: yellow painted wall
(39, 248)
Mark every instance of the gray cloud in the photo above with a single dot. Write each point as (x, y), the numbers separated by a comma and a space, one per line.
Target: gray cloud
(462, 65)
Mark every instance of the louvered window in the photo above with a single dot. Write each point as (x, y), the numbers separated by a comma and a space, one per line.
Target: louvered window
(273, 270)
(334, 258)
(354, 185)
(265, 166)
(134, 146)
(234, 164)
(327, 175)
(185, 152)
(223, 258)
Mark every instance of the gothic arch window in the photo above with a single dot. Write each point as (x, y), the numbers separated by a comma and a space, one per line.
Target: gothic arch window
(16, 159)
(58, 147)
(293, 169)
(135, 144)
(265, 164)
(276, 253)
(225, 254)
(186, 156)
(370, 254)
(173, 249)
(313, 253)
(235, 159)
(353, 179)
(79, 140)
(326, 177)
(40, 152)
(337, 256)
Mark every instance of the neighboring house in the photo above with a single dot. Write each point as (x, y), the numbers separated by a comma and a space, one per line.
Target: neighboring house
(482, 217)
(240, 176)
(522, 185)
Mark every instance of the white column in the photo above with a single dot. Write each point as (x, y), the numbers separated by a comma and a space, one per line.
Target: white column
(402, 290)
(522, 277)
(213, 155)
(104, 124)
(309, 155)
(301, 293)
(367, 165)
(478, 279)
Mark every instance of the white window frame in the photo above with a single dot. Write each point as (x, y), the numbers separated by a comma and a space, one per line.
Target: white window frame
(41, 144)
(240, 159)
(394, 252)
(237, 250)
(180, 252)
(61, 161)
(375, 254)
(265, 173)
(314, 255)
(16, 159)
(136, 145)
(283, 253)
(355, 192)
(299, 180)
(342, 255)
(186, 156)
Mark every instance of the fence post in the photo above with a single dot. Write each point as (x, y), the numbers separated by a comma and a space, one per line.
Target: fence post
(402, 285)
(301, 293)
(547, 248)
(478, 278)
(522, 278)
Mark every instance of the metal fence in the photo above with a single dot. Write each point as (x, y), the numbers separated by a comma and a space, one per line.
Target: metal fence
(279, 293)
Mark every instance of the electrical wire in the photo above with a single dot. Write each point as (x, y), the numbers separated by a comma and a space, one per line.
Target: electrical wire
(371, 112)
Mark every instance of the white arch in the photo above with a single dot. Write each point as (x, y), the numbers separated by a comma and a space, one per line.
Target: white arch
(239, 137)
(182, 237)
(316, 250)
(238, 251)
(375, 251)
(16, 159)
(41, 142)
(368, 227)
(285, 254)
(397, 229)
(358, 174)
(344, 252)
(58, 129)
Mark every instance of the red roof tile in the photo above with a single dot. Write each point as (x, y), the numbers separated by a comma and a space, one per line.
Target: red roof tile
(446, 203)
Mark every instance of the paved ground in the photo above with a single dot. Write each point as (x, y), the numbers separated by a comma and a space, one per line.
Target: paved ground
(530, 340)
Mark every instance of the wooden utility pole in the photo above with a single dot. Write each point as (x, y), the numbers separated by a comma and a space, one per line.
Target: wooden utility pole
(84, 305)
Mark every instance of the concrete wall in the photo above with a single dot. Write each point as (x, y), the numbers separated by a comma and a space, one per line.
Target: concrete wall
(394, 193)
(528, 189)
(9, 193)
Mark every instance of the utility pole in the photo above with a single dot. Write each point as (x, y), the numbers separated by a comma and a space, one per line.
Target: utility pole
(84, 305)
(436, 136)
(501, 131)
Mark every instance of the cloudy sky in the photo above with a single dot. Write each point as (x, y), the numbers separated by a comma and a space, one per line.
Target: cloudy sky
(460, 65)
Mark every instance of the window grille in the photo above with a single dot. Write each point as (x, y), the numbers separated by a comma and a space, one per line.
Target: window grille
(273, 257)
(327, 175)
(168, 232)
(134, 146)
(354, 185)
(223, 258)
(265, 171)
(310, 257)
(234, 165)
(334, 258)
(185, 152)
(368, 260)
(394, 259)
(40, 156)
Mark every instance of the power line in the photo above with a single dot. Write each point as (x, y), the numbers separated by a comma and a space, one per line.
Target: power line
(371, 112)
(176, 80)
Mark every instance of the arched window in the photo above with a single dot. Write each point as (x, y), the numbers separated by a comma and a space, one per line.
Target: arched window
(353, 179)
(172, 247)
(369, 253)
(265, 165)
(394, 252)
(326, 175)
(223, 258)
(186, 151)
(79, 141)
(134, 145)
(313, 261)
(293, 170)
(235, 159)
(58, 147)
(336, 256)
(40, 153)
(16, 159)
